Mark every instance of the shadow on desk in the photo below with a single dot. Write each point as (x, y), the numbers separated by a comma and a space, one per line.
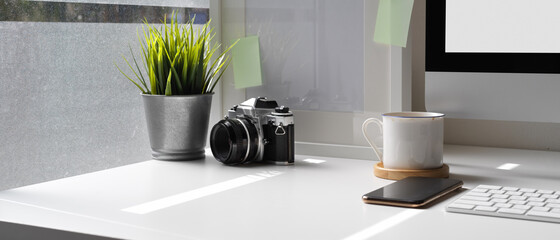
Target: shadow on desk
(298, 164)
(19, 231)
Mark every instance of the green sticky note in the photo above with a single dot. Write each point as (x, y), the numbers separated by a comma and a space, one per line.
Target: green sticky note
(393, 21)
(246, 60)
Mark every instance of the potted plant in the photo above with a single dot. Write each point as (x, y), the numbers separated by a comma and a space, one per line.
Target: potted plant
(182, 74)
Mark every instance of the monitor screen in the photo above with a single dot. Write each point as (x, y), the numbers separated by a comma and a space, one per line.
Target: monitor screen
(502, 26)
(493, 59)
(510, 36)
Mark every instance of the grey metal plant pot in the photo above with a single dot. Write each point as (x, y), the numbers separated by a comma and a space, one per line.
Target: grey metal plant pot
(177, 125)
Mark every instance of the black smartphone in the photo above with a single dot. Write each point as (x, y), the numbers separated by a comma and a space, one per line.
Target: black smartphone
(412, 191)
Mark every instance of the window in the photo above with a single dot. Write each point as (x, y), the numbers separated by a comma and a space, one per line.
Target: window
(64, 107)
(318, 57)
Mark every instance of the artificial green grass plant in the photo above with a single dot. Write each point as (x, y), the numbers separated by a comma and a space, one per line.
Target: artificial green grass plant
(177, 59)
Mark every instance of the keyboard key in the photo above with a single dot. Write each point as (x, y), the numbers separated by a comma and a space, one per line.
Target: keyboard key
(489, 187)
(544, 214)
(532, 194)
(497, 191)
(545, 191)
(534, 199)
(522, 198)
(475, 198)
(510, 188)
(528, 190)
(485, 209)
(555, 210)
(480, 190)
(503, 205)
(536, 204)
(512, 211)
(553, 196)
(550, 200)
(519, 202)
(500, 196)
(479, 194)
(499, 200)
(553, 205)
(513, 193)
(478, 203)
(541, 209)
(522, 207)
(461, 206)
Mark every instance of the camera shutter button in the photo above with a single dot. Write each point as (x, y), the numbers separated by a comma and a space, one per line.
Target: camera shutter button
(282, 109)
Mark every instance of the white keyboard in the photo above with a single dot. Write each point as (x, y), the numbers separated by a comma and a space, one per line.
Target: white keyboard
(510, 202)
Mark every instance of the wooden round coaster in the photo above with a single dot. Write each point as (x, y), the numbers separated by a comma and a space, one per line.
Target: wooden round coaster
(398, 174)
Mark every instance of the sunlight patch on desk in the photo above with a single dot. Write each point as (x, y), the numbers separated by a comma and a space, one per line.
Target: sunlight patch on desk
(184, 197)
(62, 219)
(508, 166)
(316, 161)
(384, 225)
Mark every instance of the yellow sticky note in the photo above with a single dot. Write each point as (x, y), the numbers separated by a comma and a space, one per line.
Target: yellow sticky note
(393, 22)
(246, 60)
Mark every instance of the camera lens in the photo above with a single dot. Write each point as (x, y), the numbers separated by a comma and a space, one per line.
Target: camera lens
(234, 141)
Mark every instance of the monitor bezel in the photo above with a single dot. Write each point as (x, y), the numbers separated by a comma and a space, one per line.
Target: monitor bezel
(438, 60)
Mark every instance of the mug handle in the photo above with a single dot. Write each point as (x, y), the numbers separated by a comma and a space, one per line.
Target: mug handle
(364, 127)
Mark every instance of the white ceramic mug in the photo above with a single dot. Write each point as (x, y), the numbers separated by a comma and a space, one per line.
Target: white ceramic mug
(411, 140)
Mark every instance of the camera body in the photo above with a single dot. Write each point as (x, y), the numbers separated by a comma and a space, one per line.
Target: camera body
(257, 130)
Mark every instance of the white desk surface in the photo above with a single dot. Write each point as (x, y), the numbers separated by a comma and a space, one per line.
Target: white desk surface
(309, 200)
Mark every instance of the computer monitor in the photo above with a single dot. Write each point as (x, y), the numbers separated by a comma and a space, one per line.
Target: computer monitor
(493, 59)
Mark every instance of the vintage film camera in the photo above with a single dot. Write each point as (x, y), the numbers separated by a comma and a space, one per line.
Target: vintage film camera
(257, 130)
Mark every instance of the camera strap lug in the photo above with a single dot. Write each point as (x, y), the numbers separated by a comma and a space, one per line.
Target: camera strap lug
(280, 130)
